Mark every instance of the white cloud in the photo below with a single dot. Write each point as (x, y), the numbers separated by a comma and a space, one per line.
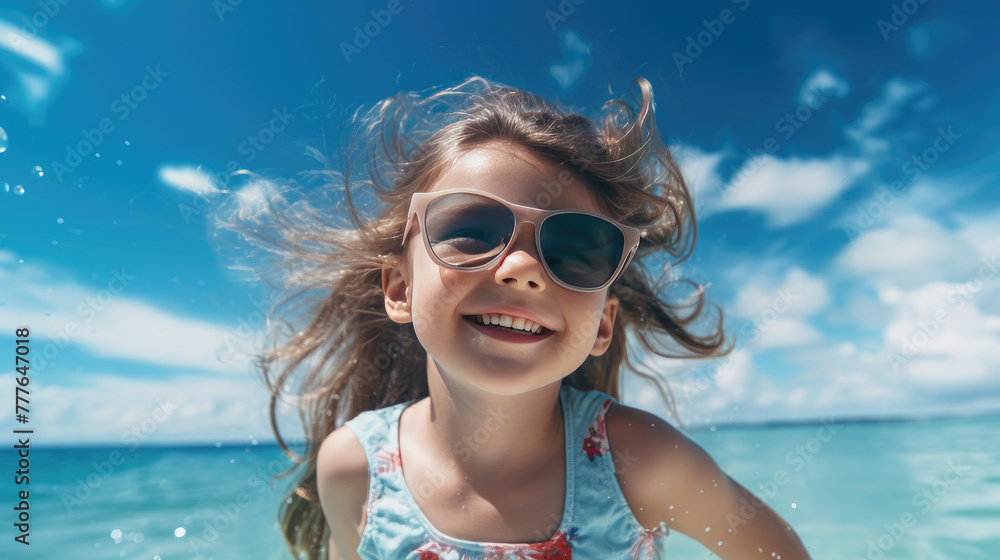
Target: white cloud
(108, 321)
(188, 178)
(821, 83)
(38, 66)
(982, 232)
(577, 55)
(789, 191)
(700, 171)
(910, 251)
(803, 294)
(135, 412)
(878, 112)
(939, 340)
(785, 332)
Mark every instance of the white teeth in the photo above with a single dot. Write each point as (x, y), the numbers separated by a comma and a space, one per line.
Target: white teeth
(519, 323)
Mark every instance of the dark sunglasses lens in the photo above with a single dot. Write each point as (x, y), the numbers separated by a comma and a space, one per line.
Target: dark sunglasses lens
(581, 250)
(467, 230)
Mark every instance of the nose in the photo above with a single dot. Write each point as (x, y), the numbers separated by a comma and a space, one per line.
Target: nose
(521, 268)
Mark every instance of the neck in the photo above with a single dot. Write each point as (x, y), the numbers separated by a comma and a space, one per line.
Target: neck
(491, 436)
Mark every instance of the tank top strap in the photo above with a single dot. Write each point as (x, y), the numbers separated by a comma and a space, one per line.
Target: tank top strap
(599, 498)
(376, 431)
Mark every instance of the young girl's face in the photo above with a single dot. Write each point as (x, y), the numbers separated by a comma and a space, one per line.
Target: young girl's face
(443, 304)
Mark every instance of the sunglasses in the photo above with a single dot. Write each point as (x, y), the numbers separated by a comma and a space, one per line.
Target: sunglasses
(472, 230)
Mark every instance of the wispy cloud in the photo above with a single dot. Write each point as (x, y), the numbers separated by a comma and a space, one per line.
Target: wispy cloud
(105, 409)
(37, 65)
(789, 191)
(110, 320)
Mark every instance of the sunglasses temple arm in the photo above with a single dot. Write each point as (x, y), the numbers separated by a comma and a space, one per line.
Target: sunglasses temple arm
(406, 231)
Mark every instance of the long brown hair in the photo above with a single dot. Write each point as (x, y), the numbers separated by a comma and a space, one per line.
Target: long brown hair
(353, 358)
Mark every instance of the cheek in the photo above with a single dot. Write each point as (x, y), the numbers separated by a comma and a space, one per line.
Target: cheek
(587, 312)
(436, 292)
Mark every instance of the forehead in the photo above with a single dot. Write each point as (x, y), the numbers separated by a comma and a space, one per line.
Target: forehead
(519, 176)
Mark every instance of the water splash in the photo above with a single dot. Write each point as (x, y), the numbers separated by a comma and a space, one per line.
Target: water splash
(37, 171)
(18, 189)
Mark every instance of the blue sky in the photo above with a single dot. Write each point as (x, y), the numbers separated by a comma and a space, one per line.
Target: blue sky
(843, 157)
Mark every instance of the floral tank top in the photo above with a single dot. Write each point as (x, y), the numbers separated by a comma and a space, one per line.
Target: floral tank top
(597, 522)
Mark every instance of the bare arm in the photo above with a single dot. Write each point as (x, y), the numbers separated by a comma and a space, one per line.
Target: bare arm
(666, 469)
(342, 478)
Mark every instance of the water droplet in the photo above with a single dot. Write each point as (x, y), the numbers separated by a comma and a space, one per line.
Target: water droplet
(139, 537)
(119, 162)
(707, 529)
(179, 532)
(793, 505)
(6, 187)
(97, 154)
(37, 171)
(59, 220)
(18, 189)
(3, 140)
(116, 534)
(720, 543)
(127, 143)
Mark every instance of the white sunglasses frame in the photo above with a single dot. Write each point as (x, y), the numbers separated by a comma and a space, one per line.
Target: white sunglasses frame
(522, 215)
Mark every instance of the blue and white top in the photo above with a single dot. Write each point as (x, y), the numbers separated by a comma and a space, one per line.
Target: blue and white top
(597, 522)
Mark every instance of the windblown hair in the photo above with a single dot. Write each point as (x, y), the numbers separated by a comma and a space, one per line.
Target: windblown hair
(354, 358)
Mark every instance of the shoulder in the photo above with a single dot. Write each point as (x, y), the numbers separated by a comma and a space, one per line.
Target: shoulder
(665, 476)
(658, 466)
(342, 483)
(341, 458)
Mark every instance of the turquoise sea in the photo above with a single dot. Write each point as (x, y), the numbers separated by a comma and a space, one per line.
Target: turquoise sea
(920, 490)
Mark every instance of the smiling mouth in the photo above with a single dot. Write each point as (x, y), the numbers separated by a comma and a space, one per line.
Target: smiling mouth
(478, 319)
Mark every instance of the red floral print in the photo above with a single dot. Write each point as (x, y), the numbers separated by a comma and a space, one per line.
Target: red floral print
(596, 444)
(556, 548)
(388, 460)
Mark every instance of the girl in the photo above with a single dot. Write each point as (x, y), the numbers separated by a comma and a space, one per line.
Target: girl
(462, 394)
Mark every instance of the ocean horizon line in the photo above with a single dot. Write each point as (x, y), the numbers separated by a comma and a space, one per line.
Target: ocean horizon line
(298, 446)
